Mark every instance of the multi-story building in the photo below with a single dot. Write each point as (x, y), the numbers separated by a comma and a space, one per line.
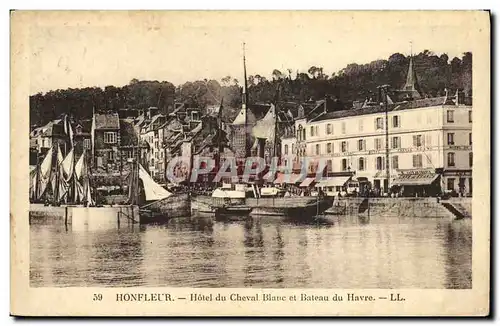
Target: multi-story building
(430, 142)
(82, 138)
(106, 140)
(43, 138)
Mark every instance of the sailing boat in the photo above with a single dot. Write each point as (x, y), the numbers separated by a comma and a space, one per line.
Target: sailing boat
(256, 202)
(40, 178)
(155, 202)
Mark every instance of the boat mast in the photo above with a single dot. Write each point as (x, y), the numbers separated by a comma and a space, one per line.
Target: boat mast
(245, 101)
(136, 172)
(37, 176)
(58, 168)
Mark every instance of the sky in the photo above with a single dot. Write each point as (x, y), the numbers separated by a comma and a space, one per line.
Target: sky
(81, 49)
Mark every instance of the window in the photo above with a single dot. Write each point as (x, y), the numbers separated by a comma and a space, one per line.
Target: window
(317, 149)
(155, 133)
(395, 121)
(451, 138)
(361, 164)
(360, 125)
(379, 163)
(329, 166)
(361, 145)
(156, 144)
(329, 129)
(470, 116)
(449, 116)
(343, 127)
(343, 146)
(451, 159)
(130, 154)
(110, 137)
(470, 159)
(303, 134)
(86, 143)
(156, 155)
(395, 162)
(111, 155)
(396, 142)
(417, 140)
(417, 161)
(293, 148)
(286, 149)
(328, 148)
(344, 164)
(312, 131)
(195, 116)
(470, 138)
(379, 123)
(378, 143)
(451, 183)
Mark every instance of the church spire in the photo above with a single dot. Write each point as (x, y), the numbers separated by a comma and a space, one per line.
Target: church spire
(411, 85)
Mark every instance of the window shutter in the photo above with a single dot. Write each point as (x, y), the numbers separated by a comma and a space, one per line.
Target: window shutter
(414, 140)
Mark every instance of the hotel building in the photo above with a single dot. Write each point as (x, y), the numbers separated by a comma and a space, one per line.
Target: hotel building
(430, 141)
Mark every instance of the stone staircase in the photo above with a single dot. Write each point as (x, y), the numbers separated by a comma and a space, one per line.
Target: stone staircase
(456, 209)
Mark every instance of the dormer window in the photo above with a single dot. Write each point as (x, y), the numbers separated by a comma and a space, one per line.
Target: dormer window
(79, 129)
(195, 116)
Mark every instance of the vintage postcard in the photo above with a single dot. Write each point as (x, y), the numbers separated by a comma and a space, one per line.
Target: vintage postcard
(246, 163)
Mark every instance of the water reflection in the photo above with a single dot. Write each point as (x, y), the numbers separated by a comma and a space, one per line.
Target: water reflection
(351, 252)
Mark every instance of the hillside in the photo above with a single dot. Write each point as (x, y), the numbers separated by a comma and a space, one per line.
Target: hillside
(354, 82)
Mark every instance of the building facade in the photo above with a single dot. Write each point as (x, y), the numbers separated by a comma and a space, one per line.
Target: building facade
(427, 134)
(106, 140)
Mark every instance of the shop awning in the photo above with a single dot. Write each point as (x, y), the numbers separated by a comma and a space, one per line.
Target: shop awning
(332, 182)
(307, 182)
(415, 178)
(288, 178)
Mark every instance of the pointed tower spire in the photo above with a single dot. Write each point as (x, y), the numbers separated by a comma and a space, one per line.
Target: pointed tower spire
(411, 85)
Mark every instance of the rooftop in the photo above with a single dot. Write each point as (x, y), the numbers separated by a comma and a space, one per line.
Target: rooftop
(107, 121)
(420, 103)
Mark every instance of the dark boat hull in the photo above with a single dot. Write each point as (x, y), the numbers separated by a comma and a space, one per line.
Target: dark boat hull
(294, 208)
(177, 205)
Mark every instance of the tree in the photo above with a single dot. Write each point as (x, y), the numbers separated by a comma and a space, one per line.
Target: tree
(277, 75)
(226, 80)
(354, 82)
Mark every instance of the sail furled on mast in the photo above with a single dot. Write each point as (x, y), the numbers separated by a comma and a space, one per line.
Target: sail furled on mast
(81, 181)
(68, 165)
(45, 173)
(59, 184)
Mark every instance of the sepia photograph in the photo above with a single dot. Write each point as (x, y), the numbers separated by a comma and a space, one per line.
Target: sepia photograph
(320, 150)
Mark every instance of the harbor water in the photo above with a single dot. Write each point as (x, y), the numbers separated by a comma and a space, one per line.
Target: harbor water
(381, 252)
